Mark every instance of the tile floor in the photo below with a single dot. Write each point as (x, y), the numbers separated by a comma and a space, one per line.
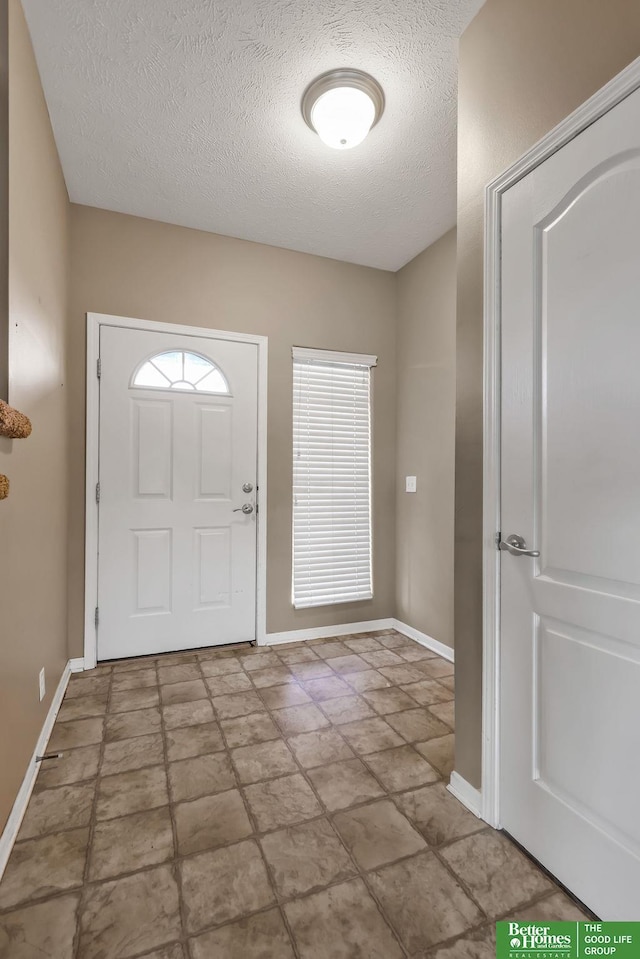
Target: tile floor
(251, 804)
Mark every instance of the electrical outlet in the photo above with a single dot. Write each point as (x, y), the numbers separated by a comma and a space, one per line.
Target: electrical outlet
(410, 484)
(41, 684)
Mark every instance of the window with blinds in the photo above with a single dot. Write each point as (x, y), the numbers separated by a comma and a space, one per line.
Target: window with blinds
(331, 477)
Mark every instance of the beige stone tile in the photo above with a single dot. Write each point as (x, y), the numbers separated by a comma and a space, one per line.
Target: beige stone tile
(259, 937)
(224, 884)
(131, 792)
(436, 668)
(137, 679)
(415, 654)
(187, 714)
(43, 931)
(237, 704)
(190, 741)
(220, 667)
(555, 908)
(310, 670)
(437, 814)
(445, 712)
(329, 687)
(185, 673)
(278, 697)
(75, 765)
(344, 784)
(249, 730)
(382, 657)
(76, 733)
(141, 722)
(186, 692)
(420, 919)
(264, 761)
(130, 915)
(370, 735)
(306, 857)
(401, 768)
(259, 660)
(402, 675)
(82, 707)
(50, 810)
(347, 664)
(297, 654)
(275, 676)
(174, 951)
(370, 679)
(417, 725)
(497, 874)
(363, 644)
(211, 821)
(347, 709)
(448, 682)
(87, 684)
(130, 843)
(427, 691)
(440, 753)
(200, 776)
(300, 719)
(479, 944)
(176, 659)
(319, 747)
(395, 640)
(342, 922)
(120, 666)
(229, 683)
(128, 700)
(377, 834)
(226, 651)
(281, 802)
(331, 649)
(390, 700)
(24, 878)
(132, 754)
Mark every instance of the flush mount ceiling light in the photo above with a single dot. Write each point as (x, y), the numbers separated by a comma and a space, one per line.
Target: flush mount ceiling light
(341, 106)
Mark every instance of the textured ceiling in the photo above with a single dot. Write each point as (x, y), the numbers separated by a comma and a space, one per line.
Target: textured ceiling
(188, 111)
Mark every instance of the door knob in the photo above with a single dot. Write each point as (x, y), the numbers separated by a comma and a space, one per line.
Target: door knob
(247, 487)
(246, 509)
(517, 547)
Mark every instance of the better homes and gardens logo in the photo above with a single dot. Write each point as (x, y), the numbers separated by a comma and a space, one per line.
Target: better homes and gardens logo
(567, 940)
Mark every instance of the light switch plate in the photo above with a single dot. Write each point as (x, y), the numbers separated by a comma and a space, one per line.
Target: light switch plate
(410, 484)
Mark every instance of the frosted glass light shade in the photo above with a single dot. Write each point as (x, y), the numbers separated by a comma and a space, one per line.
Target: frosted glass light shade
(342, 106)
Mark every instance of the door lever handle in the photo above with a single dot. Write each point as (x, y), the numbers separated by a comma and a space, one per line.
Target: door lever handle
(246, 509)
(517, 547)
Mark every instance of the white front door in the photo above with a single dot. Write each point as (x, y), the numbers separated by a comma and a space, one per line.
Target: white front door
(178, 462)
(570, 618)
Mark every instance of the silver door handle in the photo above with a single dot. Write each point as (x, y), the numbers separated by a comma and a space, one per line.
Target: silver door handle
(246, 509)
(517, 547)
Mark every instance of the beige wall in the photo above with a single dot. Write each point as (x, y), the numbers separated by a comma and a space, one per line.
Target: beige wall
(33, 519)
(141, 268)
(524, 66)
(426, 396)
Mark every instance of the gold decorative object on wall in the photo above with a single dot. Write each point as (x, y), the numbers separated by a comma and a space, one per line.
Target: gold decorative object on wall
(13, 424)
(4, 486)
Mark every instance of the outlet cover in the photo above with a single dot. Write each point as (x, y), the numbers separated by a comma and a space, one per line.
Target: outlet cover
(41, 684)
(411, 484)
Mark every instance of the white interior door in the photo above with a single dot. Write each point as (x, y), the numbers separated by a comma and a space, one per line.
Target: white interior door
(570, 618)
(178, 461)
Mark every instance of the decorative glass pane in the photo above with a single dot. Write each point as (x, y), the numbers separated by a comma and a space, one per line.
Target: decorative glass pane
(180, 370)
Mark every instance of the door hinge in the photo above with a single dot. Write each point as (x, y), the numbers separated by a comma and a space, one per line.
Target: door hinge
(98, 367)
(97, 492)
(96, 617)
(498, 539)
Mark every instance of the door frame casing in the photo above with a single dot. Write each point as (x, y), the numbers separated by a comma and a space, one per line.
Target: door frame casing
(621, 86)
(94, 322)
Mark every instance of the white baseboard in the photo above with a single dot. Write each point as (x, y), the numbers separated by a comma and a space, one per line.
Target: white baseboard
(434, 644)
(10, 832)
(327, 632)
(76, 665)
(467, 794)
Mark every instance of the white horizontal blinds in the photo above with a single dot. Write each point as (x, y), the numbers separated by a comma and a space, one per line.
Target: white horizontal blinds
(331, 478)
